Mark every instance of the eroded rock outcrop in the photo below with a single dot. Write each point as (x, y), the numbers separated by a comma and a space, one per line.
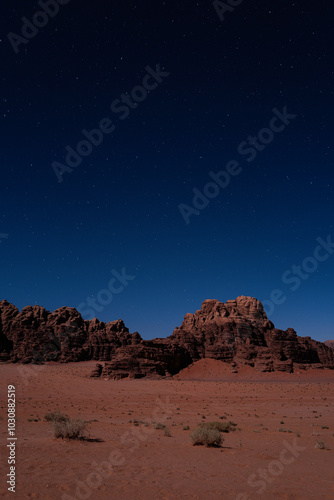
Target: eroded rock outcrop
(237, 332)
(329, 343)
(36, 335)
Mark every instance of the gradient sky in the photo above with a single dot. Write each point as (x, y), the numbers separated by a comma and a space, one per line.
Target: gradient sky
(120, 208)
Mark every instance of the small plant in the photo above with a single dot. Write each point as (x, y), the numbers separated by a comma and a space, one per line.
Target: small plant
(64, 427)
(324, 427)
(56, 416)
(321, 445)
(206, 437)
(186, 427)
(220, 426)
(159, 426)
(167, 432)
(69, 429)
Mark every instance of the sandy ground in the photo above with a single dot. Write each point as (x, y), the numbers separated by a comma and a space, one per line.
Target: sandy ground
(272, 455)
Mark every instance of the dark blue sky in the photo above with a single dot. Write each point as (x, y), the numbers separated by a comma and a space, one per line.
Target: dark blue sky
(119, 209)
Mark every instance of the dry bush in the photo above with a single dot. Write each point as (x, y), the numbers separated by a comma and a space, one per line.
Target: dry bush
(321, 445)
(56, 416)
(219, 426)
(69, 429)
(206, 437)
(159, 425)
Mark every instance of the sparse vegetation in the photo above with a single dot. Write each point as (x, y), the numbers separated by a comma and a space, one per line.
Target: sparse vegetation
(206, 437)
(69, 429)
(65, 427)
(321, 445)
(56, 416)
(167, 432)
(220, 426)
(159, 426)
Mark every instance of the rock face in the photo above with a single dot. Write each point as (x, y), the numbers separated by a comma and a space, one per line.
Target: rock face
(240, 331)
(237, 332)
(329, 343)
(35, 335)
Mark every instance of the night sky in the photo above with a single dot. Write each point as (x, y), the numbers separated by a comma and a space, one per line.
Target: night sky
(212, 177)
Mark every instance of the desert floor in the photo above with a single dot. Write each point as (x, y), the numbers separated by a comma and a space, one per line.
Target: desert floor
(272, 454)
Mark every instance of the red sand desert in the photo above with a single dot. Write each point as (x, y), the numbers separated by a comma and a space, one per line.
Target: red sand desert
(272, 454)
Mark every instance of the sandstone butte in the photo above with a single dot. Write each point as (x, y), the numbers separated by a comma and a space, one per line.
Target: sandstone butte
(237, 332)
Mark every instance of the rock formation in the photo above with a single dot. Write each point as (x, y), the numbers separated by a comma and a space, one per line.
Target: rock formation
(329, 343)
(237, 332)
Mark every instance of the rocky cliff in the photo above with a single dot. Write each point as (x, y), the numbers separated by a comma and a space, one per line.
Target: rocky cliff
(237, 332)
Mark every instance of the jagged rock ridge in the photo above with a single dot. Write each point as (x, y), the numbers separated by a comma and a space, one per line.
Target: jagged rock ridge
(237, 332)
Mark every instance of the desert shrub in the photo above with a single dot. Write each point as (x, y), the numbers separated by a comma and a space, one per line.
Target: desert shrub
(321, 445)
(69, 429)
(56, 416)
(159, 426)
(206, 437)
(219, 426)
(167, 432)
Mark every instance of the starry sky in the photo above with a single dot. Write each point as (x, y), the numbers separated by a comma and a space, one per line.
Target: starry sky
(212, 178)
